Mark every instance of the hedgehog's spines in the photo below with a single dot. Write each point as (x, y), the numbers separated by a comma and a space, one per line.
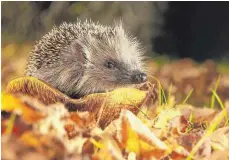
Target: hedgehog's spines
(64, 56)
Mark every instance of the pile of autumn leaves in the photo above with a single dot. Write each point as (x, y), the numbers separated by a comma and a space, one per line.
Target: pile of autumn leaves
(144, 128)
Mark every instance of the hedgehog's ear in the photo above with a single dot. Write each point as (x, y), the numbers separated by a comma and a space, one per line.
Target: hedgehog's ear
(77, 50)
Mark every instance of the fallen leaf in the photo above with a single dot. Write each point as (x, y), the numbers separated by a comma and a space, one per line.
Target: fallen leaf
(110, 151)
(199, 115)
(220, 155)
(36, 88)
(136, 137)
(220, 139)
(105, 106)
(30, 139)
(47, 145)
(84, 120)
(178, 125)
(29, 114)
(189, 140)
(164, 117)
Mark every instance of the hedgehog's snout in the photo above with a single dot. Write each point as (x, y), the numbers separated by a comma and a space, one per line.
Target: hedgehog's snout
(139, 78)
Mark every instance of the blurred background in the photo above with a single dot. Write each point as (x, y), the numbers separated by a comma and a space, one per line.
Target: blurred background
(198, 31)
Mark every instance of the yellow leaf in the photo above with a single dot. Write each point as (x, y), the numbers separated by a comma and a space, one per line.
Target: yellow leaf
(126, 96)
(105, 106)
(110, 151)
(130, 138)
(136, 137)
(95, 143)
(112, 103)
(30, 139)
(165, 116)
(12, 104)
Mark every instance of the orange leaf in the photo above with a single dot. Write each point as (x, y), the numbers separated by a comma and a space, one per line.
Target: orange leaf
(30, 139)
(110, 102)
(11, 103)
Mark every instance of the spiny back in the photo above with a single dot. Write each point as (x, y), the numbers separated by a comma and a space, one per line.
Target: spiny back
(86, 57)
(46, 52)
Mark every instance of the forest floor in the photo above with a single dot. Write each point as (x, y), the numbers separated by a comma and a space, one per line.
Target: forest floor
(182, 113)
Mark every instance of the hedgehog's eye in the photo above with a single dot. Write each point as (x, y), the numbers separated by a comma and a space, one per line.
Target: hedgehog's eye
(110, 65)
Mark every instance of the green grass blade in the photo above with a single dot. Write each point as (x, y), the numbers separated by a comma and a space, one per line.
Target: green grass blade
(191, 117)
(218, 99)
(187, 97)
(10, 126)
(161, 93)
(220, 103)
(213, 97)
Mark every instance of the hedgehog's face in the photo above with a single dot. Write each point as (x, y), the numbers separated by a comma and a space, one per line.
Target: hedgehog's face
(113, 61)
(107, 73)
(123, 73)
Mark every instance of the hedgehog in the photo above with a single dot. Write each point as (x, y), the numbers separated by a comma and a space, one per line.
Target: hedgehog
(85, 57)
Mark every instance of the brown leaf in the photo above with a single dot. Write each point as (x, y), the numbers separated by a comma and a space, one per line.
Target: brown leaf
(45, 144)
(13, 149)
(36, 88)
(88, 148)
(84, 120)
(200, 115)
(179, 153)
(189, 140)
(71, 130)
(178, 125)
(105, 106)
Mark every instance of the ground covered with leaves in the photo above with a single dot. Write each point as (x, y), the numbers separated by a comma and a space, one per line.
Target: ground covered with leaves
(181, 113)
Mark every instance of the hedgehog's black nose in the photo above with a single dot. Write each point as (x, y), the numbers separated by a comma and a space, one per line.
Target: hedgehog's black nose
(140, 77)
